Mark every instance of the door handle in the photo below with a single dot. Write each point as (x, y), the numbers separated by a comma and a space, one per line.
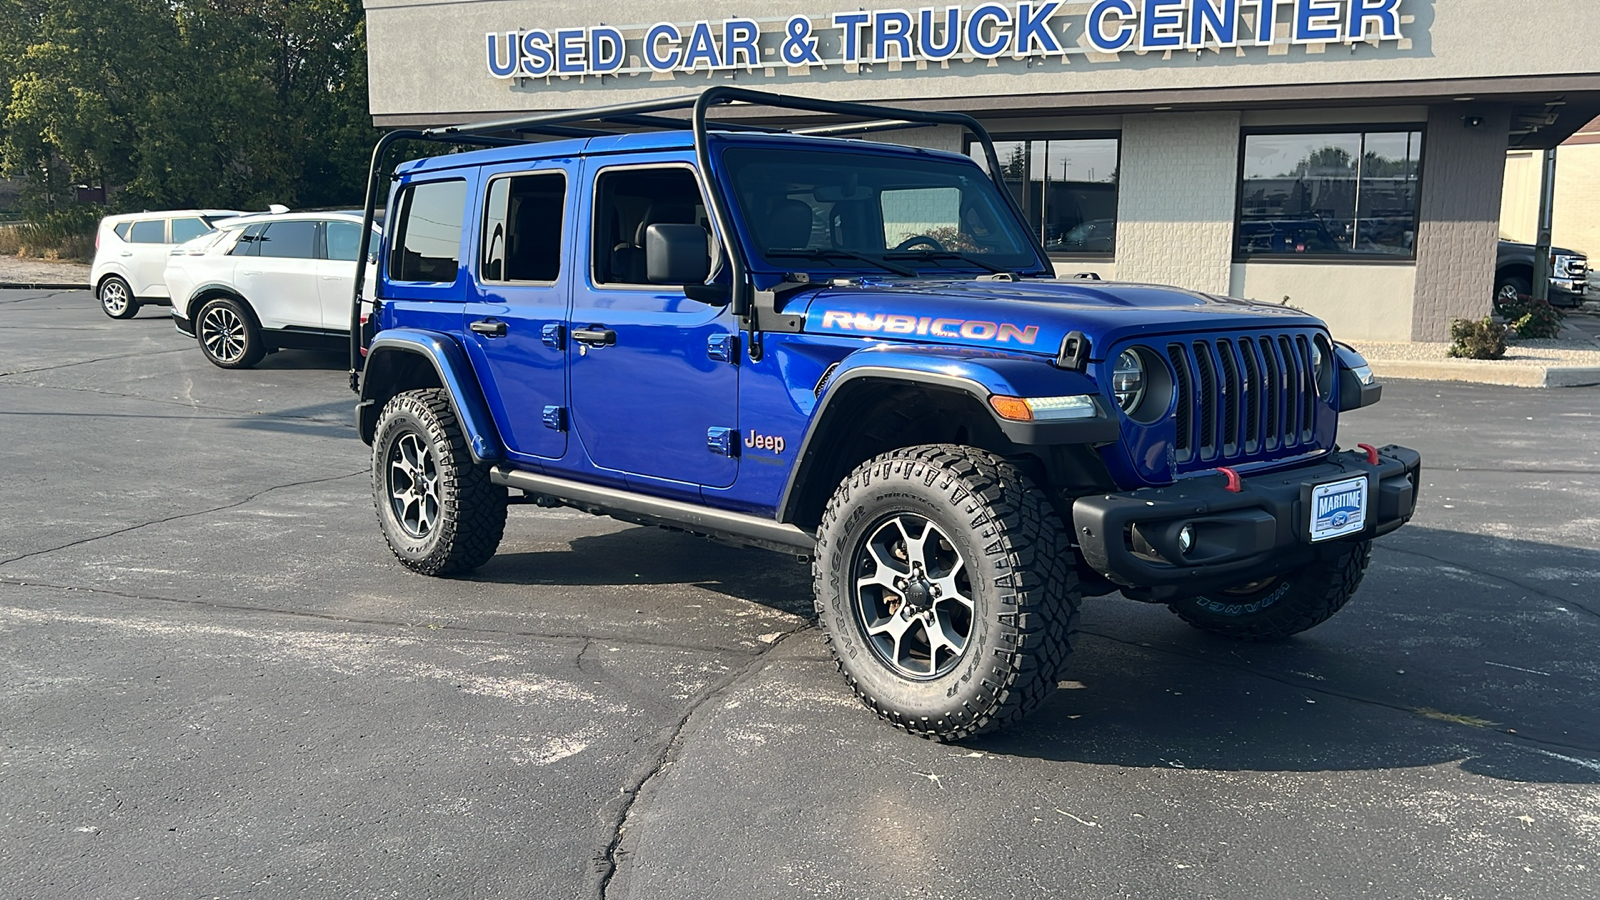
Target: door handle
(127, 253)
(248, 272)
(490, 327)
(595, 336)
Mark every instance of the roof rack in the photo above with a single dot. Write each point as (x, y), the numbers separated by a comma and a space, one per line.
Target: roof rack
(628, 118)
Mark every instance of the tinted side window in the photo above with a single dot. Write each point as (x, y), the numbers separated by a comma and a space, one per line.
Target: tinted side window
(290, 240)
(522, 228)
(151, 231)
(185, 229)
(427, 246)
(121, 229)
(630, 202)
(249, 243)
(344, 241)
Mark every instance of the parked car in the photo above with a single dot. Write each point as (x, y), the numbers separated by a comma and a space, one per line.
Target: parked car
(1514, 265)
(130, 255)
(963, 445)
(268, 282)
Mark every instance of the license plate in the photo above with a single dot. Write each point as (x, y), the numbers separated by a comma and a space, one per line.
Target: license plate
(1338, 508)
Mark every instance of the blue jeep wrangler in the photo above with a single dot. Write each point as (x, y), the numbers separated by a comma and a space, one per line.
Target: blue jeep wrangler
(856, 352)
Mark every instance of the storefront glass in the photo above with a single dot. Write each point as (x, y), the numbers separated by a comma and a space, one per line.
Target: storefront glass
(1330, 195)
(1067, 188)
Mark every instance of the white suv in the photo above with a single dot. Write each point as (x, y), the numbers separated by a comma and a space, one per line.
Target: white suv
(130, 254)
(269, 282)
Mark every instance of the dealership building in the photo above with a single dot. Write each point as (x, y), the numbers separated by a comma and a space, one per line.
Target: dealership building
(1347, 157)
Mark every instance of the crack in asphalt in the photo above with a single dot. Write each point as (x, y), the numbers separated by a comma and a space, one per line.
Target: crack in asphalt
(670, 745)
(1505, 736)
(48, 296)
(1493, 576)
(173, 518)
(228, 414)
(586, 641)
(86, 362)
(1510, 471)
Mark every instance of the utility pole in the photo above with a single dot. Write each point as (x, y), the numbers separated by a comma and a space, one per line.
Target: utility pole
(1547, 213)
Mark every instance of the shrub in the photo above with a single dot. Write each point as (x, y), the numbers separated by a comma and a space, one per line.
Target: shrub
(1477, 340)
(58, 234)
(1532, 319)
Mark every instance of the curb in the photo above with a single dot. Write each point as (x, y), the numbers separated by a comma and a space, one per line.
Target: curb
(1525, 375)
(42, 286)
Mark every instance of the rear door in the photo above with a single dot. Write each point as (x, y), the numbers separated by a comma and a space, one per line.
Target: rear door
(146, 257)
(514, 326)
(279, 277)
(336, 270)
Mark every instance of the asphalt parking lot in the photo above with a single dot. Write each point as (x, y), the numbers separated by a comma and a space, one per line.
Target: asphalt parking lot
(215, 681)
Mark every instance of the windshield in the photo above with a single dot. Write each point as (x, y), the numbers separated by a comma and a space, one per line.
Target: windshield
(836, 209)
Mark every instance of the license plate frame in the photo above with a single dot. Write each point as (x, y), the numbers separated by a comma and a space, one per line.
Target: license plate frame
(1339, 508)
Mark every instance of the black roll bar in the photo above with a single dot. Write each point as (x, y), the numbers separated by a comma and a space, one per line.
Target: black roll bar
(605, 121)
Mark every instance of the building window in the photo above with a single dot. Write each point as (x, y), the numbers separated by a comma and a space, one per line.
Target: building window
(1330, 195)
(1067, 188)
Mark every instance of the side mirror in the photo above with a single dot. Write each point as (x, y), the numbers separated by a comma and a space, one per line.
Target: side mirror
(676, 254)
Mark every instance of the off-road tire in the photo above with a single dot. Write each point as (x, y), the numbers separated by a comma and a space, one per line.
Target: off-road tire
(228, 333)
(1021, 579)
(116, 298)
(469, 517)
(1303, 599)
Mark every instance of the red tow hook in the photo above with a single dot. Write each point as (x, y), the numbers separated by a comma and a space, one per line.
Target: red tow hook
(1372, 453)
(1235, 483)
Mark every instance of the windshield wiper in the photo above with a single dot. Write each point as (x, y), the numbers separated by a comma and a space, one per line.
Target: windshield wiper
(820, 254)
(947, 254)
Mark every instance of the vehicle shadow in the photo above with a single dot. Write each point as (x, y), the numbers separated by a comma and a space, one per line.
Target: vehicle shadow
(645, 555)
(290, 360)
(1433, 662)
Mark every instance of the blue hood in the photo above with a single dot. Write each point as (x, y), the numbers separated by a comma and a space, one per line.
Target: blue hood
(1029, 316)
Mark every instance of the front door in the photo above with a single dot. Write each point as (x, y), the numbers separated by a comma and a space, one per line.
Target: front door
(515, 326)
(649, 396)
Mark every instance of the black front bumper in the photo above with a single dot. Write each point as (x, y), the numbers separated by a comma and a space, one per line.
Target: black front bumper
(1263, 529)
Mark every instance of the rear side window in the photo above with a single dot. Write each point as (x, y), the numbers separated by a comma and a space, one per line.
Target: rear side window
(290, 240)
(122, 228)
(187, 229)
(150, 231)
(427, 244)
(522, 228)
(344, 241)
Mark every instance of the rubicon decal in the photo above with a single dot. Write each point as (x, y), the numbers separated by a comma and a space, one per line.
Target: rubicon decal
(924, 326)
(772, 442)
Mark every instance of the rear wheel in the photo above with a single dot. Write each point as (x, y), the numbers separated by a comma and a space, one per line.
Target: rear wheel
(945, 590)
(116, 298)
(228, 334)
(1276, 608)
(438, 509)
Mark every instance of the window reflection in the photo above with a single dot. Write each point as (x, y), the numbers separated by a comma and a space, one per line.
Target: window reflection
(1330, 194)
(1067, 189)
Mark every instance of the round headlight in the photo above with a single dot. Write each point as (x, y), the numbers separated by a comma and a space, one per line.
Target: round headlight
(1128, 380)
(1323, 364)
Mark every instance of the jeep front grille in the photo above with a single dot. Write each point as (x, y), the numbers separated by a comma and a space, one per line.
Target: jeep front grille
(1239, 398)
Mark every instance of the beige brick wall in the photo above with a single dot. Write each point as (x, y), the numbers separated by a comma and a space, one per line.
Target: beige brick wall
(1179, 188)
(1577, 219)
(1463, 172)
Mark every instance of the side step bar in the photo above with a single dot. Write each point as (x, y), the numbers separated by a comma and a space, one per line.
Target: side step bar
(643, 510)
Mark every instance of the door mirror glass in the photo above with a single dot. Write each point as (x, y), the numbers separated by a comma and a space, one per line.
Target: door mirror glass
(676, 254)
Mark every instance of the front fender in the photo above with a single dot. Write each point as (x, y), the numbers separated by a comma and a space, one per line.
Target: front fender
(979, 374)
(384, 375)
(982, 374)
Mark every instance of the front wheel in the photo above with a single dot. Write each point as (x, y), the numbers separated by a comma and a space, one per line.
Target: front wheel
(116, 298)
(438, 509)
(945, 589)
(1276, 608)
(228, 334)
